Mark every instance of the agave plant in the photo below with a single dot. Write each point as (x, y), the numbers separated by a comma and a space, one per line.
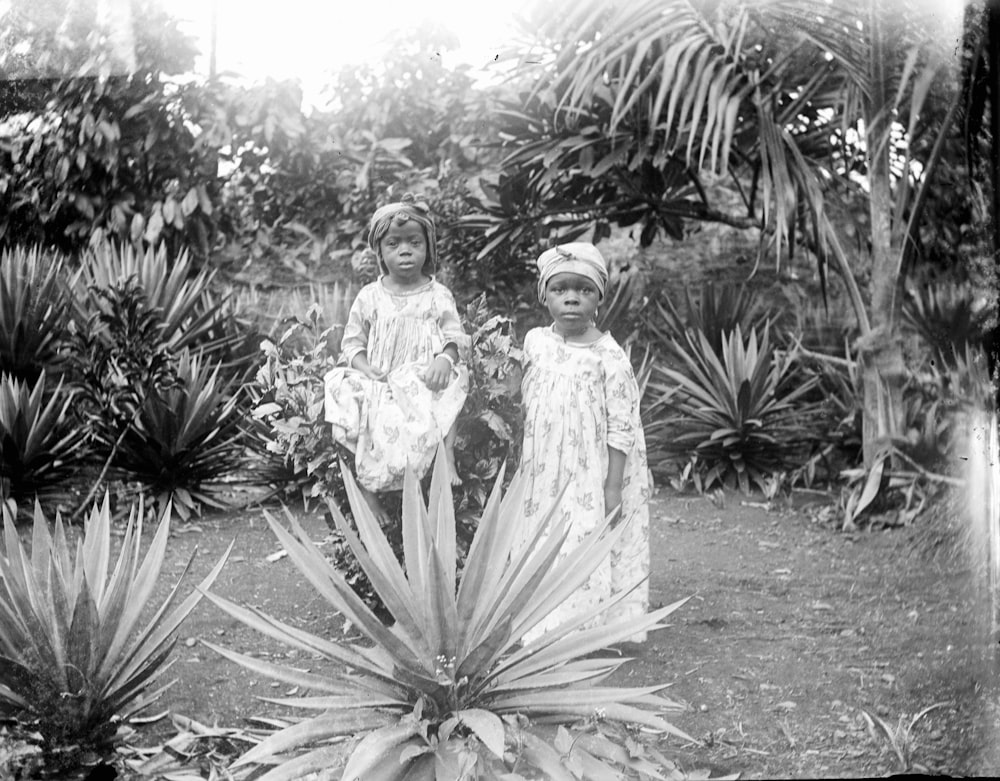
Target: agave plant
(70, 657)
(451, 690)
(189, 314)
(41, 444)
(185, 438)
(947, 319)
(33, 306)
(717, 311)
(731, 411)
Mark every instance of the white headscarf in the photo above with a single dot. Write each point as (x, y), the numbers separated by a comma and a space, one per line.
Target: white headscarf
(577, 257)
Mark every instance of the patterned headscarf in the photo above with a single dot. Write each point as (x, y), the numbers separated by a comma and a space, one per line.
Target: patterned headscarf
(400, 212)
(578, 257)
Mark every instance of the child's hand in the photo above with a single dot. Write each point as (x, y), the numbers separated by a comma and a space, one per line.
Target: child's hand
(438, 373)
(375, 374)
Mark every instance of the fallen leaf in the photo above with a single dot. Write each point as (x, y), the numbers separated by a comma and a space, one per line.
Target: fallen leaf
(277, 555)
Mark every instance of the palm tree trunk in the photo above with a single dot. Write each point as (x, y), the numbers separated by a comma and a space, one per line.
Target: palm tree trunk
(882, 366)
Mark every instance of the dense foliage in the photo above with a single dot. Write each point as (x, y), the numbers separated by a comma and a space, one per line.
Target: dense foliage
(131, 197)
(100, 149)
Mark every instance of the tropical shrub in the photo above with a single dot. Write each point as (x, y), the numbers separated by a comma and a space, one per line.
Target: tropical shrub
(947, 320)
(96, 147)
(835, 395)
(33, 307)
(489, 427)
(185, 438)
(287, 430)
(451, 690)
(304, 186)
(938, 405)
(118, 359)
(732, 412)
(72, 665)
(41, 444)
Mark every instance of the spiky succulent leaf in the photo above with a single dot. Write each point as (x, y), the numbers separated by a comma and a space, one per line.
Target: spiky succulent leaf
(189, 314)
(732, 408)
(41, 445)
(69, 654)
(33, 306)
(186, 438)
(451, 678)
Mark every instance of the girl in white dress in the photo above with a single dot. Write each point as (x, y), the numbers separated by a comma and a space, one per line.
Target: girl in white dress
(402, 383)
(582, 431)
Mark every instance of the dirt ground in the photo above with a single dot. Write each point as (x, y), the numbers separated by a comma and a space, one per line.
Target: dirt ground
(792, 629)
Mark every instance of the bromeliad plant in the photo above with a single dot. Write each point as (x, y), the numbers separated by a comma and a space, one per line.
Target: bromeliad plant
(71, 661)
(731, 411)
(452, 690)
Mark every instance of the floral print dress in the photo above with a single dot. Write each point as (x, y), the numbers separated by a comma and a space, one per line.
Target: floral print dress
(397, 422)
(580, 399)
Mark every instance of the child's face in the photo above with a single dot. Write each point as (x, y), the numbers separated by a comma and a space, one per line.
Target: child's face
(404, 251)
(572, 301)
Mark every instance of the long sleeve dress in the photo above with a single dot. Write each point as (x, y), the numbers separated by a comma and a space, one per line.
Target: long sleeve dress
(397, 422)
(579, 400)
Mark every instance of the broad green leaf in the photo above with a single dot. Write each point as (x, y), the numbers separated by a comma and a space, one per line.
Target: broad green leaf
(487, 726)
(377, 746)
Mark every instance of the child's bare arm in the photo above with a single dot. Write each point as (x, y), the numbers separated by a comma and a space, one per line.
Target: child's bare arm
(613, 482)
(360, 362)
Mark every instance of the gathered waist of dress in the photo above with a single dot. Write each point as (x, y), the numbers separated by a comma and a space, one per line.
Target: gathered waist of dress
(397, 340)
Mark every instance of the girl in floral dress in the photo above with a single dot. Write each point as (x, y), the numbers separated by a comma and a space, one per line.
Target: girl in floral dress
(401, 385)
(582, 432)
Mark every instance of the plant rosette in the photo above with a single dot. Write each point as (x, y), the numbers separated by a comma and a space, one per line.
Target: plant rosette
(450, 690)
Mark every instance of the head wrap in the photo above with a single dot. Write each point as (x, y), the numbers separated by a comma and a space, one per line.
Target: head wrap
(578, 257)
(400, 212)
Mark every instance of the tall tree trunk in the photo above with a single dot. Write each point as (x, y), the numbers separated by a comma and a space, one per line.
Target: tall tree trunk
(882, 366)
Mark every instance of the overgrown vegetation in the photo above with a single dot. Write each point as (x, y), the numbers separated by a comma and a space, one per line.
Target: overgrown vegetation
(142, 215)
